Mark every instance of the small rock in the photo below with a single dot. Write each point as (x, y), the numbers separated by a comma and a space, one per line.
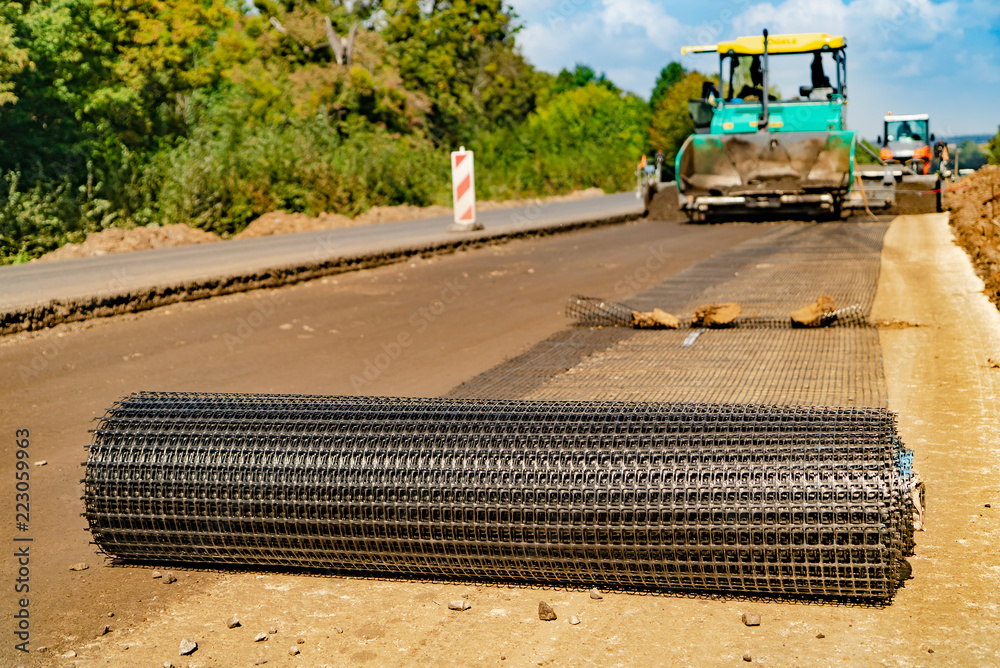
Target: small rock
(747, 657)
(574, 620)
(272, 630)
(655, 319)
(188, 646)
(595, 594)
(260, 662)
(82, 566)
(751, 619)
(69, 655)
(930, 651)
(716, 315)
(545, 612)
(816, 314)
(167, 664)
(41, 463)
(820, 636)
(104, 630)
(111, 614)
(293, 651)
(338, 629)
(169, 578)
(301, 641)
(465, 596)
(157, 575)
(43, 648)
(987, 506)
(459, 604)
(232, 622)
(260, 637)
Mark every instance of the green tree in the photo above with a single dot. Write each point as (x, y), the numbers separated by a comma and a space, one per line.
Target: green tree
(444, 49)
(971, 155)
(993, 149)
(13, 58)
(581, 75)
(588, 137)
(671, 123)
(669, 76)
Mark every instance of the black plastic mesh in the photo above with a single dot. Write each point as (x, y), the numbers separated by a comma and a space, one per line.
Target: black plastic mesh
(638, 496)
(761, 359)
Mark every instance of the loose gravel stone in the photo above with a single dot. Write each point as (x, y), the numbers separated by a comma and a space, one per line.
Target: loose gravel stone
(574, 620)
(169, 578)
(167, 664)
(338, 629)
(260, 637)
(747, 657)
(820, 636)
(157, 575)
(43, 648)
(459, 604)
(233, 622)
(82, 566)
(260, 662)
(301, 641)
(272, 630)
(41, 463)
(595, 594)
(69, 655)
(111, 614)
(293, 651)
(104, 630)
(751, 619)
(545, 612)
(188, 646)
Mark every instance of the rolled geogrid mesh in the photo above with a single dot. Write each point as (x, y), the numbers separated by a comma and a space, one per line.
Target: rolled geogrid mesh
(732, 498)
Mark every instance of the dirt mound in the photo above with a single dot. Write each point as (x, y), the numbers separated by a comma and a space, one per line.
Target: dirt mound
(665, 205)
(114, 240)
(281, 222)
(975, 220)
(394, 214)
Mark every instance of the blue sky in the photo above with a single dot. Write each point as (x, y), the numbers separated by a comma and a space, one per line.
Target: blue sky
(905, 56)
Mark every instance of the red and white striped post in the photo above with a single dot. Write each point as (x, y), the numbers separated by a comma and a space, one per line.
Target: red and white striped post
(463, 191)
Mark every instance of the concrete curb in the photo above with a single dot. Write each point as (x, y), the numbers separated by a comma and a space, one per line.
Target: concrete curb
(57, 311)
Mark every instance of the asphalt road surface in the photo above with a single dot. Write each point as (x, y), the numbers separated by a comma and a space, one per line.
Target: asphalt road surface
(40, 282)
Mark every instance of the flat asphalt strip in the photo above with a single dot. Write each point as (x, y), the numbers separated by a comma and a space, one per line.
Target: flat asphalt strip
(110, 301)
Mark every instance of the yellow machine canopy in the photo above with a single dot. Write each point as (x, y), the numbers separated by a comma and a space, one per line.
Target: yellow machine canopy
(754, 45)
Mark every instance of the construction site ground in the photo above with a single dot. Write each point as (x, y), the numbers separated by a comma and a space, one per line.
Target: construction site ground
(462, 314)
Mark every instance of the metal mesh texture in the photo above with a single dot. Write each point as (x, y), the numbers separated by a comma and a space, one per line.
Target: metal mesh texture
(761, 359)
(638, 496)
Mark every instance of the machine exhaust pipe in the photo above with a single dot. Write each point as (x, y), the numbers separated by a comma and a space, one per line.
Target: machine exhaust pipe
(765, 116)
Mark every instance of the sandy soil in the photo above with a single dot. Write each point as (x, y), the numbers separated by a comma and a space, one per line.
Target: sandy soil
(940, 383)
(975, 219)
(114, 240)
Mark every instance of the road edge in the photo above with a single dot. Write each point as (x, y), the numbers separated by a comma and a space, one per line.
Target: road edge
(58, 311)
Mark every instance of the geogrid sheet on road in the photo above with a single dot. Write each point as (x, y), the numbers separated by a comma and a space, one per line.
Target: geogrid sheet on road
(761, 360)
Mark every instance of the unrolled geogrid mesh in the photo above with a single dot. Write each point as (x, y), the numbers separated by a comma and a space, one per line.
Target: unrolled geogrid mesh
(761, 358)
(597, 312)
(648, 496)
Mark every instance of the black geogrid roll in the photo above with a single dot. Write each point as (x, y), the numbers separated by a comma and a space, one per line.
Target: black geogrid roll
(638, 496)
